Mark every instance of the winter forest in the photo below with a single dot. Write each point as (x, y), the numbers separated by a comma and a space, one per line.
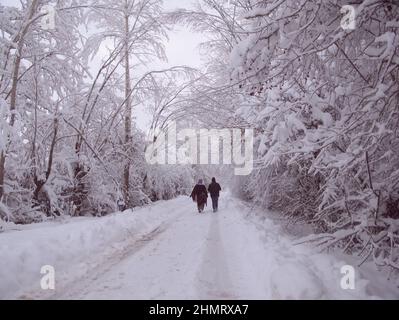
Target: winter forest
(82, 100)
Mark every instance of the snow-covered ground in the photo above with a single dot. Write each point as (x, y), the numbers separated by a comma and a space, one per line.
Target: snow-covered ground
(168, 251)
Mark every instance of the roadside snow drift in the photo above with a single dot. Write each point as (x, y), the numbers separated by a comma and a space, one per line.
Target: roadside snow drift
(67, 246)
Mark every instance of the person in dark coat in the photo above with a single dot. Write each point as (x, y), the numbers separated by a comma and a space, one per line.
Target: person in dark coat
(214, 189)
(200, 195)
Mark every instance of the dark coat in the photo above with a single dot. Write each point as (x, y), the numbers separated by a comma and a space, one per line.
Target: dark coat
(199, 194)
(214, 189)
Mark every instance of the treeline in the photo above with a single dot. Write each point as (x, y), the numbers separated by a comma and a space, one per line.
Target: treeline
(68, 93)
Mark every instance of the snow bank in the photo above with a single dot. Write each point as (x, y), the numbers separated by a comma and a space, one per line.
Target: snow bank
(66, 245)
(304, 273)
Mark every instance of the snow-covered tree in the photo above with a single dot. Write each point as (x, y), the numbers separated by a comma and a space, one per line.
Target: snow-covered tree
(66, 119)
(327, 120)
(30, 61)
(137, 29)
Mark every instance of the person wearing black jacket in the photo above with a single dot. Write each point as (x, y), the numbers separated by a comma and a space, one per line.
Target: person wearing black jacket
(200, 195)
(214, 189)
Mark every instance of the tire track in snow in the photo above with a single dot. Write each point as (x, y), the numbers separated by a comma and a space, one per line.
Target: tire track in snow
(214, 281)
(164, 269)
(67, 289)
(227, 255)
(100, 265)
(79, 287)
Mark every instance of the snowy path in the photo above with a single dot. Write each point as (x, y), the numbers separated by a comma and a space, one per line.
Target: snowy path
(184, 255)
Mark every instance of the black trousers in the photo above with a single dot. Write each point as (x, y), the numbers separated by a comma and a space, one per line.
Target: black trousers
(215, 202)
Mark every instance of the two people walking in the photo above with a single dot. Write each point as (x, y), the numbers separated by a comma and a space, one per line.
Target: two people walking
(200, 194)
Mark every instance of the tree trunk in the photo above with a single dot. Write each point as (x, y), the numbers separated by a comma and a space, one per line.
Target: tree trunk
(128, 110)
(39, 183)
(2, 172)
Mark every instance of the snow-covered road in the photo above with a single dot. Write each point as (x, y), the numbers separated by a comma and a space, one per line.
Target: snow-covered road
(168, 251)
